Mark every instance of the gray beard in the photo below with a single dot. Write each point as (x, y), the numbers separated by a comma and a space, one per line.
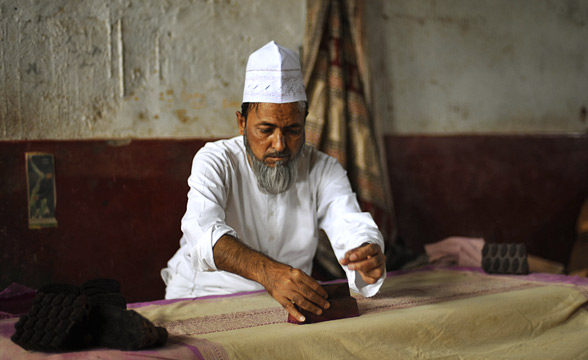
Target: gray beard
(276, 179)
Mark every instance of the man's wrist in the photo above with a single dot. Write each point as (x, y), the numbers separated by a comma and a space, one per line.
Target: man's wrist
(233, 256)
(266, 270)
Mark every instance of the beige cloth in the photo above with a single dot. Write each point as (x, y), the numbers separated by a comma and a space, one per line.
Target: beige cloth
(439, 314)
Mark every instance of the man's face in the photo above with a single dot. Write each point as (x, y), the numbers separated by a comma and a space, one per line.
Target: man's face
(275, 132)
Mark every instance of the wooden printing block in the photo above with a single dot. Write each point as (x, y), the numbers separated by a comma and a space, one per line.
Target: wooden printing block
(342, 306)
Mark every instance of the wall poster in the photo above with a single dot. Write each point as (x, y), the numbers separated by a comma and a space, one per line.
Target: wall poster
(41, 190)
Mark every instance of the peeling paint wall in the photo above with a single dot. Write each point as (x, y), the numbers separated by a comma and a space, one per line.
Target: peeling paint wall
(492, 66)
(174, 69)
(118, 69)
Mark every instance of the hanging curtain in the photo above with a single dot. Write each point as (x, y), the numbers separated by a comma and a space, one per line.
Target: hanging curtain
(339, 121)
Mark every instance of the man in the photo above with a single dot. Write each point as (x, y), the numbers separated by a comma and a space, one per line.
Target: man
(257, 201)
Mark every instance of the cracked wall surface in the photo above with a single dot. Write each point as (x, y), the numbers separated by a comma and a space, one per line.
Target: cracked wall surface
(120, 69)
(141, 69)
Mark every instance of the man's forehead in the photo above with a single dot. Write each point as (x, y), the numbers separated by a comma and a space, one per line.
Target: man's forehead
(293, 112)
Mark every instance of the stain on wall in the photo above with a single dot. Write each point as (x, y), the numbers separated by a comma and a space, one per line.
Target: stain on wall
(127, 68)
(115, 69)
(493, 66)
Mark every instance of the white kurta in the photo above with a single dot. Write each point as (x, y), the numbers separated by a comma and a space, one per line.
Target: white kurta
(224, 199)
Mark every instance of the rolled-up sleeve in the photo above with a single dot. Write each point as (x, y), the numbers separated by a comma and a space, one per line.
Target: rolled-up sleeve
(204, 221)
(347, 227)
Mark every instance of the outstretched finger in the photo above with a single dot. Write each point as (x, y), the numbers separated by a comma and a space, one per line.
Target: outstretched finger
(308, 305)
(311, 287)
(371, 262)
(360, 253)
(311, 298)
(292, 310)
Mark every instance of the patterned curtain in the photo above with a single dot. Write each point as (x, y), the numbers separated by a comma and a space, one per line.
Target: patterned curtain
(339, 121)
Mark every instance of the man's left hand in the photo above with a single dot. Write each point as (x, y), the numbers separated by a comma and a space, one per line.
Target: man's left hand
(368, 260)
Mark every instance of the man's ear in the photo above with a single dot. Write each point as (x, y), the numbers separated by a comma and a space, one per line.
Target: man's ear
(241, 121)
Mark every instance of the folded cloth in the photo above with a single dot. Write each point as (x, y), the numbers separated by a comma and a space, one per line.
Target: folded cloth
(461, 251)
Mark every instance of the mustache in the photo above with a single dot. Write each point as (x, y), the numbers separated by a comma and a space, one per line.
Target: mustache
(277, 154)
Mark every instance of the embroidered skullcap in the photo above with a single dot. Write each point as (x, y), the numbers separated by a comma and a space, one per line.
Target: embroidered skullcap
(273, 75)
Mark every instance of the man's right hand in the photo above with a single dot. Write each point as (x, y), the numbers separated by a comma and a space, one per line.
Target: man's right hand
(284, 283)
(290, 286)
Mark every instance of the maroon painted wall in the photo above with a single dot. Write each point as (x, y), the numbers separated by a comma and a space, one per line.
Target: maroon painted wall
(515, 188)
(118, 211)
(119, 207)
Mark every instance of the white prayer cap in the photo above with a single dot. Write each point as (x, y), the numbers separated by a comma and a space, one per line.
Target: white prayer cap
(273, 75)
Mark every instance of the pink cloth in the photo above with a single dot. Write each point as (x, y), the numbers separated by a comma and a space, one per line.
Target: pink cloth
(15, 300)
(460, 251)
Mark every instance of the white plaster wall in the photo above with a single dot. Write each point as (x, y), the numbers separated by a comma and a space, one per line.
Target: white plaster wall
(154, 68)
(479, 66)
(118, 69)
